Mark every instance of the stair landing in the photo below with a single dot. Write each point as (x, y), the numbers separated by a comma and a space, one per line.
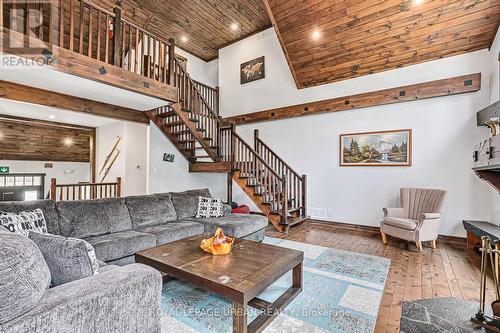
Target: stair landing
(210, 167)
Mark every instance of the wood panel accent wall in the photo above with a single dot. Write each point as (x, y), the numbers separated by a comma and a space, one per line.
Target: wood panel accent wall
(357, 38)
(206, 24)
(34, 140)
(18, 92)
(431, 89)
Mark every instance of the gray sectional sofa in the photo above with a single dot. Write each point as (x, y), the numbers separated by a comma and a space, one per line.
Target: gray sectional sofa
(119, 227)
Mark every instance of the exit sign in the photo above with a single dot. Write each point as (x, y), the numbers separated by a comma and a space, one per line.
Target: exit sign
(4, 169)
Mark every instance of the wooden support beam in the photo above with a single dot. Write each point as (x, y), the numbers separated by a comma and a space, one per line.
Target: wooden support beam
(80, 65)
(431, 89)
(21, 93)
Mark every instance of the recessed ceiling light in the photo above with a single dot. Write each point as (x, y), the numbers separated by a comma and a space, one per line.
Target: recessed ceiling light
(316, 34)
(418, 2)
(235, 26)
(68, 141)
(52, 116)
(184, 39)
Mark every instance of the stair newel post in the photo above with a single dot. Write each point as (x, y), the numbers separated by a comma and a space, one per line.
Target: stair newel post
(256, 140)
(53, 188)
(117, 37)
(284, 199)
(304, 195)
(171, 61)
(217, 92)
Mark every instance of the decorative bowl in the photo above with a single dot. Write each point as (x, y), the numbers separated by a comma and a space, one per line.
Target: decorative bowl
(219, 244)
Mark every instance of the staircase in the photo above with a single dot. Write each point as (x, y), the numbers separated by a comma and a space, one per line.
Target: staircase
(100, 41)
(195, 128)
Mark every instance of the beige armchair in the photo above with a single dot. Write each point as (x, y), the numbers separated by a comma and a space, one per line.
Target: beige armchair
(418, 218)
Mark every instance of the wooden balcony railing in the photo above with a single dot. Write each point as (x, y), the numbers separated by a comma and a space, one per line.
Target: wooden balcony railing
(84, 191)
(87, 29)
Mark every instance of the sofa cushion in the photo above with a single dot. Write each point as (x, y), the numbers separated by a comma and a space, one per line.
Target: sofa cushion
(69, 259)
(24, 275)
(120, 244)
(87, 218)
(173, 231)
(48, 208)
(186, 203)
(402, 223)
(24, 222)
(147, 210)
(234, 225)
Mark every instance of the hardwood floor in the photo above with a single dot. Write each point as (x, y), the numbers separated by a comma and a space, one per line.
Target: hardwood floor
(444, 272)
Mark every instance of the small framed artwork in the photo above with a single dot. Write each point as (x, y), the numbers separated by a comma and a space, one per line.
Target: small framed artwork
(384, 148)
(168, 157)
(252, 70)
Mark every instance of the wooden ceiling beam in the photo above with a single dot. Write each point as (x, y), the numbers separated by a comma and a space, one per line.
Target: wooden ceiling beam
(21, 93)
(80, 65)
(438, 88)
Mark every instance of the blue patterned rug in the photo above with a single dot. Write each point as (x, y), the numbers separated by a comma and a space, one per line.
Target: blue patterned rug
(341, 293)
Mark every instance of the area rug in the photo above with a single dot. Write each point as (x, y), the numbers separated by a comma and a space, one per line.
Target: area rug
(342, 291)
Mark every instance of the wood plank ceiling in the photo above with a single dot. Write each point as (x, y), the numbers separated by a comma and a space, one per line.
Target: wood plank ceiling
(328, 41)
(31, 140)
(205, 24)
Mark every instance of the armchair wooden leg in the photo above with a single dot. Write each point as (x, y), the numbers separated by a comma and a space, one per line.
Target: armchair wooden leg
(384, 237)
(419, 246)
(433, 244)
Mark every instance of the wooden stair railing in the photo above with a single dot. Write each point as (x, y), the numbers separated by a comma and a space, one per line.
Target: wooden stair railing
(191, 124)
(84, 191)
(296, 183)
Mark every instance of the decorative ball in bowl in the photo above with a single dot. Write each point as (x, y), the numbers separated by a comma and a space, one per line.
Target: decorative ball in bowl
(219, 244)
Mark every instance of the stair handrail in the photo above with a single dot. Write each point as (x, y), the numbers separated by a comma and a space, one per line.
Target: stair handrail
(259, 141)
(299, 193)
(264, 163)
(215, 115)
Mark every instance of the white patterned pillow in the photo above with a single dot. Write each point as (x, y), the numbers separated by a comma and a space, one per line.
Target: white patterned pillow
(210, 207)
(23, 222)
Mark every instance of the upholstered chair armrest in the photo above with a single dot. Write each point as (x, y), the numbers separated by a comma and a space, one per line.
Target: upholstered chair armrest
(124, 299)
(429, 216)
(394, 212)
(226, 209)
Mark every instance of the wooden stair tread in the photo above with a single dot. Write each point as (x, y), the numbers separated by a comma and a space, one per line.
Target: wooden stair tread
(291, 221)
(175, 123)
(167, 114)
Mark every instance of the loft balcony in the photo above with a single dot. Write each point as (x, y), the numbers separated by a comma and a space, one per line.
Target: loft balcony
(79, 38)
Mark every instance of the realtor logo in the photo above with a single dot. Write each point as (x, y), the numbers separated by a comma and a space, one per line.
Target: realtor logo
(24, 40)
(4, 169)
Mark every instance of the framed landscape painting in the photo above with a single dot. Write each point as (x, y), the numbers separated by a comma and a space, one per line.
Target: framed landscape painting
(252, 70)
(385, 148)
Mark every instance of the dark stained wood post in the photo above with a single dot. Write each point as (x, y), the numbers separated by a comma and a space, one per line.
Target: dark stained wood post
(284, 199)
(232, 160)
(117, 37)
(230, 187)
(217, 92)
(304, 195)
(53, 188)
(118, 187)
(171, 61)
(255, 140)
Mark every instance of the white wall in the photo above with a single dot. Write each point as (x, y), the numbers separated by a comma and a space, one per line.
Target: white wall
(444, 132)
(200, 70)
(132, 162)
(64, 172)
(175, 177)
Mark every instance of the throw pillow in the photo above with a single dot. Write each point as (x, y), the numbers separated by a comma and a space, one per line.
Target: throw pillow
(69, 259)
(24, 222)
(210, 207)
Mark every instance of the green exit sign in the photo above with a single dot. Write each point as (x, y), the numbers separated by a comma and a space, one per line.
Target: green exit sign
(4, 169)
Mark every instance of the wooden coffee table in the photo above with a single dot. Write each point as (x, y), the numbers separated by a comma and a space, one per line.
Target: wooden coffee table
(239, 276)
